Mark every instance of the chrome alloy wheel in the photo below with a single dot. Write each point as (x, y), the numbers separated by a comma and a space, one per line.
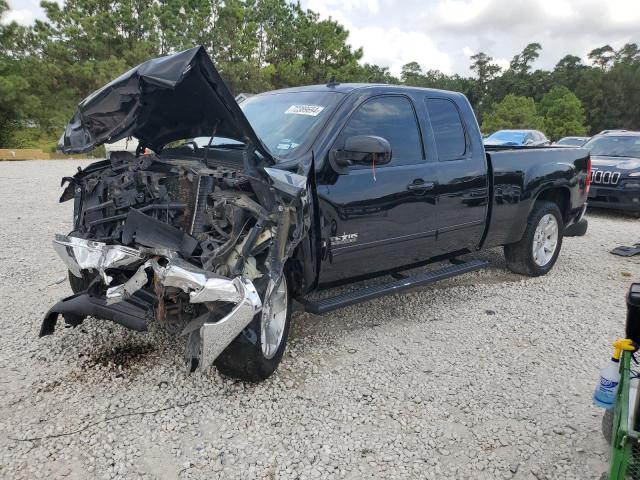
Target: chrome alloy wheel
(545, 240)
(274, 317)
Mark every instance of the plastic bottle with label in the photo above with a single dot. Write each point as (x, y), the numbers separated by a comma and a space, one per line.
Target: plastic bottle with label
(605, 393)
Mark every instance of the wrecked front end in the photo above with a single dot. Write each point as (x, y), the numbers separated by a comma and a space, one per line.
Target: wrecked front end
(195, 240)
(188, 244)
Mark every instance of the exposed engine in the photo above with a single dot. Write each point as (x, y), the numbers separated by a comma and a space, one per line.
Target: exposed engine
(195, 238)
(186, 242)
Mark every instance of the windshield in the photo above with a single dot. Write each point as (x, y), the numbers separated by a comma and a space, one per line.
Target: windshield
(614, 146)
(572, 141)
(505, 136)
(287, 123)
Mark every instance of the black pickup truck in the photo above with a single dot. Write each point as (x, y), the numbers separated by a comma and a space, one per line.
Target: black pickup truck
(243, 208)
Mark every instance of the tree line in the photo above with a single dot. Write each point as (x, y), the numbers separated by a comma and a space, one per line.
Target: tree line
(259, 45)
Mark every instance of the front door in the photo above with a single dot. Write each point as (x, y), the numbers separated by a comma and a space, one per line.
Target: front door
(380, 217)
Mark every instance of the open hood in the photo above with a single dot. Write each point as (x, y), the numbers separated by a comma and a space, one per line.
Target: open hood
(162, 100)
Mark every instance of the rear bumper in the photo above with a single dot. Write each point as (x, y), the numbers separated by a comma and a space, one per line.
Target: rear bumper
(132, 303)
(626, 199)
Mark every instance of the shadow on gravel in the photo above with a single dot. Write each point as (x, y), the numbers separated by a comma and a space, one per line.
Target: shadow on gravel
(126, 360)
(120, 357)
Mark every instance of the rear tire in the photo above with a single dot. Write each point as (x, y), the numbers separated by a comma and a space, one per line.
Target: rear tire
(251, 356)
(538, 249)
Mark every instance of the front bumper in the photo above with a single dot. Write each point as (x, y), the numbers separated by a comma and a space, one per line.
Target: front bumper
(131, 304)
(618, 198)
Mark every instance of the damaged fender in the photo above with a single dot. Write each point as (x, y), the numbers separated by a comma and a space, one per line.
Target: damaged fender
(187, 241)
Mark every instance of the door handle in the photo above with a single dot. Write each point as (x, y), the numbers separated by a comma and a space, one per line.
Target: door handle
(420, 185)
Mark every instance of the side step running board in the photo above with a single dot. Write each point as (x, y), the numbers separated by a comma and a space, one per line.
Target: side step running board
(325, 305)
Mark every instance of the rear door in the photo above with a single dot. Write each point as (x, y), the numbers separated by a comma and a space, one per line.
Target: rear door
(462, 189)
(380, 217)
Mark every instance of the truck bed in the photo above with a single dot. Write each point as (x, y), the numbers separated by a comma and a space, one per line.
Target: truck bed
(519, 174)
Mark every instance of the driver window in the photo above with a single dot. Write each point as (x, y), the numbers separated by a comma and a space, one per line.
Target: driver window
(392, 118)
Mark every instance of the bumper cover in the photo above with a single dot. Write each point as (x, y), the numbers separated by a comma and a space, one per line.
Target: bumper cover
(617, 198)
(131, 303)
(79, 254)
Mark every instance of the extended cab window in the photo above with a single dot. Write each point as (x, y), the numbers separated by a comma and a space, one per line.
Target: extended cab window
(447, 129)
(392, 118)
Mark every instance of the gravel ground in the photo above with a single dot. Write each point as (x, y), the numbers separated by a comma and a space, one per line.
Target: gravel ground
(486, 376)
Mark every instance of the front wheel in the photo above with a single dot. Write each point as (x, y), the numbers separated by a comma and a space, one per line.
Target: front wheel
(258, 350)
(537, 251)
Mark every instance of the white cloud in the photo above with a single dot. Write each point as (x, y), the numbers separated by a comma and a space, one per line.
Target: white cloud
(395, 47)
(461, 11)
(443, 34)
(452, 30)
(22, 16)
(24, 12)
(624, 12)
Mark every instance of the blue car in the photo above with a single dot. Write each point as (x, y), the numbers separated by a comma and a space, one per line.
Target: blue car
(517, 137)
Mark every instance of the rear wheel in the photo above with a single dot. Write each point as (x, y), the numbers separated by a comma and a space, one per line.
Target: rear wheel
(258, 350)
(537, 251)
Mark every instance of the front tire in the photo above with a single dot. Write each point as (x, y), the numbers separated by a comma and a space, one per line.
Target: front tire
(538, 249)
(258, 350)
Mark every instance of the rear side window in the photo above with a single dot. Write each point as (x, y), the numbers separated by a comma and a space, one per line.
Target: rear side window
(447, 129)
(391, 118)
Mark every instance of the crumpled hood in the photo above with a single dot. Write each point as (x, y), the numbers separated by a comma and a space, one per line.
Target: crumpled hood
(159, 101)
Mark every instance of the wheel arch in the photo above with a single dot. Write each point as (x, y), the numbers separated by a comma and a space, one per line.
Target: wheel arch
(560, 195)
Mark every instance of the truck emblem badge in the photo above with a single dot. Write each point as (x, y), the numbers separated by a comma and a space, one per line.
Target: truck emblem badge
(344, 239)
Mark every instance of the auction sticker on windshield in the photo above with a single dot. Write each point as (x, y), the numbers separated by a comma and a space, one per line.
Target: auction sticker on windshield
(311, 110)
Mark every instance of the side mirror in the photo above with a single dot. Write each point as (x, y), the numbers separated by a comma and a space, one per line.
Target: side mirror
(362, 150)
(528, 142)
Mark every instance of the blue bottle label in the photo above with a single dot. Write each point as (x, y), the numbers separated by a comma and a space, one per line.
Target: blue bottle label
(607, 384)
(605, 394)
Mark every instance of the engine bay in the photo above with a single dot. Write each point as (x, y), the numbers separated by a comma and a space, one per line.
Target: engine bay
(180, 240)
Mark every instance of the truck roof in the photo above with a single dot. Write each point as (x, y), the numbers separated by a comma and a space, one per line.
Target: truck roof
(350, 87)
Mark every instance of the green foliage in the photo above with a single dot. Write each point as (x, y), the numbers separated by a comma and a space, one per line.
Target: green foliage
(368, 73)
(562, 113)
(521, 63)
(512, 112)
(413, 75)
(30, 137)
(258, 45)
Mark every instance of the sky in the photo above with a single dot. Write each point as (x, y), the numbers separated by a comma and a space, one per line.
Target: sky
(443, 34)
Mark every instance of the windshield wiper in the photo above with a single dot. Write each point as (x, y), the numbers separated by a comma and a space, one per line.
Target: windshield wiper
(225, 145)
